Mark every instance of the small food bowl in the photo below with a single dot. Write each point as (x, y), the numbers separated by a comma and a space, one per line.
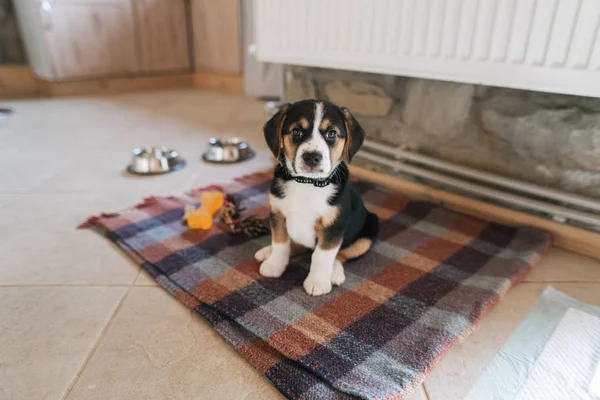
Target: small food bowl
(154, 161)
(227, 151)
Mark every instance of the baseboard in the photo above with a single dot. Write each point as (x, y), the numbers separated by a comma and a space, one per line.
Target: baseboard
(209, 80)
(17, 80)
(565, 236)
(116, 85)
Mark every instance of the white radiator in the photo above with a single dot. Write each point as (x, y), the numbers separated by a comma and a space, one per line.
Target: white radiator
(545, 45)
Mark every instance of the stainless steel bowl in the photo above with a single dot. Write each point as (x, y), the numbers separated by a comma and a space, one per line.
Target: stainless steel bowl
(227, 151)
(155, 160)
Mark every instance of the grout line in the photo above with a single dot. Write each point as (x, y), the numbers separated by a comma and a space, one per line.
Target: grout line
(96, 343)
(425, 391)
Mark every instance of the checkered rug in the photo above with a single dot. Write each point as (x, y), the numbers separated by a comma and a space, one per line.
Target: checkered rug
(427, 281)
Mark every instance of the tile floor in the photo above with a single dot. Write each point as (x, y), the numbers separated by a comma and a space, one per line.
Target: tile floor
(80, 321)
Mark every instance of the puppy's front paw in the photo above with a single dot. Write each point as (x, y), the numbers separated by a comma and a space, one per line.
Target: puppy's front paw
(263, 253)
(338, 276)
(272, 267)
(316, 286)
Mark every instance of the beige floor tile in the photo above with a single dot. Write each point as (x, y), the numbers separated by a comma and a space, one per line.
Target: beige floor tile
(155, 348)
(44, 137)
(561, 265)
(23, 170)
(41, 245)
(144, 279)
(104, 172)
(185, 126)
(69, 124)
(85, 143)
(418, 394)
(46, 334)
(459, 370)
(7, 198)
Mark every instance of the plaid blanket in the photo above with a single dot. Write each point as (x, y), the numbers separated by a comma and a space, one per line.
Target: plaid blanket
(426, 282)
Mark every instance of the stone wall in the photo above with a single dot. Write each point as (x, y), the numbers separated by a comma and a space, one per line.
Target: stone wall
(544, 138)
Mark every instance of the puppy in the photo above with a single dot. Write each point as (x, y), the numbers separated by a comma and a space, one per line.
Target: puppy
(313, 204)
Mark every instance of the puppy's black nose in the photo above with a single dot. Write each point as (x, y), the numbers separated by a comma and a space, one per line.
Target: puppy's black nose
(312, 158)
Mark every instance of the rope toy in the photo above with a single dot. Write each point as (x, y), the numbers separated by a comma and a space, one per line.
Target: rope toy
(230, 216)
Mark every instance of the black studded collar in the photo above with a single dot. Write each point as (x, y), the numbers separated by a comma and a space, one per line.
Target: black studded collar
(316, 182)
(321, 182)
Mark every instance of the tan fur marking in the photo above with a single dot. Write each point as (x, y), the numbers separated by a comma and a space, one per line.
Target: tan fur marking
(289, 148)
(279, 231)
(321, 226)
(280, 128)
(325, 244)
(330, 216)
(356, 249)
(302, 123)
(337, 151)
(326, 124)
(348, 142)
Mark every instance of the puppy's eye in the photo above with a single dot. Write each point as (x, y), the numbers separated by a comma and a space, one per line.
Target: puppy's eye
(331, 134)
(296, 132)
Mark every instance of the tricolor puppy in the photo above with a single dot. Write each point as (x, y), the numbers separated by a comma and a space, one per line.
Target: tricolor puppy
(313, 204)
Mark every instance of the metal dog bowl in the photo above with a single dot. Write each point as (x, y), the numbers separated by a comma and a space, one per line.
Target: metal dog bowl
(155, 160)
(227, 151)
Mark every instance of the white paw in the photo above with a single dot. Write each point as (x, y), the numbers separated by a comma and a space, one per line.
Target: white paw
(263, 253)
(338, 277)
(272, 268)
(316, 286)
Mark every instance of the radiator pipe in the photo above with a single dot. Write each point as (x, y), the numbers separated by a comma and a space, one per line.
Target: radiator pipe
(486, 177)
(480, 190)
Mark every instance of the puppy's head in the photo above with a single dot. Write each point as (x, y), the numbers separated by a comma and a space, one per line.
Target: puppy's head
(313, 137)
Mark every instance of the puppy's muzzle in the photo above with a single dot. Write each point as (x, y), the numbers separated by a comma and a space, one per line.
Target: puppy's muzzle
(312, 159)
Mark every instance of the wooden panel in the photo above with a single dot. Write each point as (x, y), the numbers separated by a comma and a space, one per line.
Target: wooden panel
(91, 38)
(116, 85)
(230, 83)
(217, 37)
(16, 80)
(162, 35)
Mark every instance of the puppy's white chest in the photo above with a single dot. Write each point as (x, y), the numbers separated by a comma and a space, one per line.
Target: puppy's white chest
(302, 205)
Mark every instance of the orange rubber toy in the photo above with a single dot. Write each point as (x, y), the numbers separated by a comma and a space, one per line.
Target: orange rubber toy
(202, 218)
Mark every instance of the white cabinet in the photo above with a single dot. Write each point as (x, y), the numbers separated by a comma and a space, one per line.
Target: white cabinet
(217, 35)
(162, 35)
(76, 39)
(90, 38)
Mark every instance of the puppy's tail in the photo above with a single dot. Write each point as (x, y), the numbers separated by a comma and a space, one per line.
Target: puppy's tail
(363, 244)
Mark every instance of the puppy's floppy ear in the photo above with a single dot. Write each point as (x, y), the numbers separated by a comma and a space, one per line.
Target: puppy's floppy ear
(272, 130)
(355, 134)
